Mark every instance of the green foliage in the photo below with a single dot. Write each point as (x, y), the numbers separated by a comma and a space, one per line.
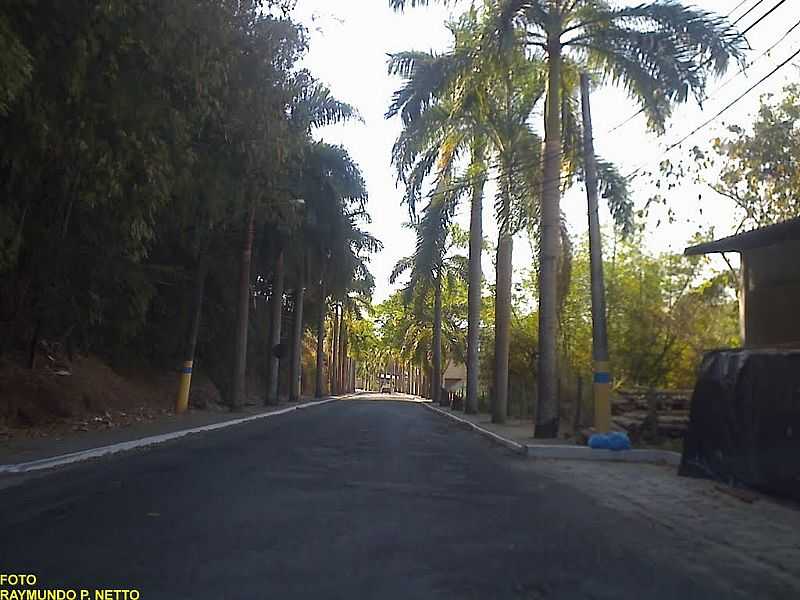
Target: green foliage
(664, 311)
(15, 65)
(136, 137)
(405, 330)
(759, 171)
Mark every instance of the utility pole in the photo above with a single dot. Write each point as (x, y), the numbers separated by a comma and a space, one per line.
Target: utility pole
(602, 371)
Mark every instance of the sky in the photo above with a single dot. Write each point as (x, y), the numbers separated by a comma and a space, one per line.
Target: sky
(349, 44)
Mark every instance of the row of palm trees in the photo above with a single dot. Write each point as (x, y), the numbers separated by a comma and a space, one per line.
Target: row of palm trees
(315, 242)
(470, 114)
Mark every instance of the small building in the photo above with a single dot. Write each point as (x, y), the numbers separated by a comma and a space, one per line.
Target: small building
(769, 290)
(455, 378)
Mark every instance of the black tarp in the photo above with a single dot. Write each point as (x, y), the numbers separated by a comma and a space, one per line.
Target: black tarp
(744, 426)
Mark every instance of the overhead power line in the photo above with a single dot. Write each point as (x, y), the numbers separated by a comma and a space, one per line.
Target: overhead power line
(729, 80)
(727, 107)
(766, 52)
(748, 11)
(764, 16)
(737, 7)
(521, 167)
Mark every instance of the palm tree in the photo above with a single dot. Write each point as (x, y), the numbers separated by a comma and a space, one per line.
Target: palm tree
(457, 103)
(331, 242)
(433, 268)
(312, 106)
(441, 106)
(514, 93)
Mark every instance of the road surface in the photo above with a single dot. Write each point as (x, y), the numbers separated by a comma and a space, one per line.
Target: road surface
(354, 499)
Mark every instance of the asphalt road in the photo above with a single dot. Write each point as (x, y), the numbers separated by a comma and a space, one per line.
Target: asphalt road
(354, 499)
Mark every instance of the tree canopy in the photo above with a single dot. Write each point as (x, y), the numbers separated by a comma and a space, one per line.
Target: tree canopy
(136, 137)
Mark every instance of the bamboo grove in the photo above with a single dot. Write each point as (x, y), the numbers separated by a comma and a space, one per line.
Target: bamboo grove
(163, 199)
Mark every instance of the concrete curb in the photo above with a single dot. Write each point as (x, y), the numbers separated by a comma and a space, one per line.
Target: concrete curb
(82, 455)
(565, 452)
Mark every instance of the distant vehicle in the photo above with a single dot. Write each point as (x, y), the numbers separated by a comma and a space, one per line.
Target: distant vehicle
(387, 389)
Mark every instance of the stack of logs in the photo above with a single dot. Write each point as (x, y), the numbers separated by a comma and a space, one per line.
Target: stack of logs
(651, 413)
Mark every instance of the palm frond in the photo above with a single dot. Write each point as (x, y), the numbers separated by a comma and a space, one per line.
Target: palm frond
(427, 77)
(400, 5)
(565, 262)
(402, 266)
(614, 189)
(315, 106)
(661, 53)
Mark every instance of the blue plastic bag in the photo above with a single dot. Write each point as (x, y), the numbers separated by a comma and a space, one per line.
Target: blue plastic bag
(619, 441)
(610, 441)
(599, 441)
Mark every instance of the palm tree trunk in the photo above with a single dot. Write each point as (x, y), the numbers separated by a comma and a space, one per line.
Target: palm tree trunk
(602, 375)
(34, 342)
(343, 341)
(437, 339)
(339, 354)
(502, 318)
(242, 315)
(276, 318)
(474, 295)
(427, 377)
(547, 413)
(335, 351)
(295, 374)
(201, 272)
(318, 391)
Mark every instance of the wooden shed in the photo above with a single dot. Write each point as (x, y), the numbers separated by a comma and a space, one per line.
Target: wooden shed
(769, 291)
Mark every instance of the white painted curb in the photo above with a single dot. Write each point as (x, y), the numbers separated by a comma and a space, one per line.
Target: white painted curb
(82, 455)
(516, 447)
(564, 452)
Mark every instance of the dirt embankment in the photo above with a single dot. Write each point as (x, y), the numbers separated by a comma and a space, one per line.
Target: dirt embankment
(89, 395)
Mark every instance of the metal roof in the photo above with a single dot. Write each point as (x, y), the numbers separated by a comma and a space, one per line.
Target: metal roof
(758, 238)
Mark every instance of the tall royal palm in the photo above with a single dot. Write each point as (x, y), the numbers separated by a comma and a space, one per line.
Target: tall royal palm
(515, 87)
(433, 269)
(443, 116)
(329, 242)
(465, 102)
(312, 107)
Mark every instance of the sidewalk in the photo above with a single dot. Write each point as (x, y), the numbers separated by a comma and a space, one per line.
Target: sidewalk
(24, 453)
(701, 514)
(517, 435)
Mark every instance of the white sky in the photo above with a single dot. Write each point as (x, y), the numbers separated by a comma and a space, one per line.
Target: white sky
(349, 41)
